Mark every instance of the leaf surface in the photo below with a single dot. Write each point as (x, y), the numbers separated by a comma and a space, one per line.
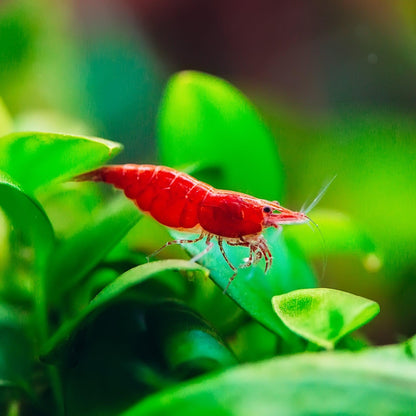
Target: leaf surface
(323, 315)
(127, 280)
(206, 121)
(80, 253)
(35, 159)
(373, 382)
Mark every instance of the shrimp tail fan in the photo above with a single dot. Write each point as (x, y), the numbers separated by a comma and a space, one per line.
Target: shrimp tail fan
(93, 175)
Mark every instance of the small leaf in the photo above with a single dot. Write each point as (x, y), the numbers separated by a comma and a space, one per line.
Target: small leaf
(345, 383)
(205, 121)
(323, 316)
(127, 280)
(35, 159)
(79, 254)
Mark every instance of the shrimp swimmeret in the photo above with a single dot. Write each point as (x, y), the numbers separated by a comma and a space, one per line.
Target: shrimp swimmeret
(179, 201)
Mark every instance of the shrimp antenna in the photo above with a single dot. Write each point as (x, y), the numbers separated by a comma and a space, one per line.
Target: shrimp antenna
(321, 193)
(325, 254)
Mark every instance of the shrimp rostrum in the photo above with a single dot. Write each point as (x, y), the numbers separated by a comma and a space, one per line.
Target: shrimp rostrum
(179, 201)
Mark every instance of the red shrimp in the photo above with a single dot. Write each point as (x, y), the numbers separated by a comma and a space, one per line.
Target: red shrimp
(180, 201)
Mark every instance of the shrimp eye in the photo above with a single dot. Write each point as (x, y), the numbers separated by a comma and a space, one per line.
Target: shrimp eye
(267, 210)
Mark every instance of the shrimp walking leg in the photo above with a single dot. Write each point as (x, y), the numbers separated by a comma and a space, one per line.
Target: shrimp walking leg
(233, 268)
(258, 250)
(251, 258)
(266, 253)
(208, 248)
(181, 241)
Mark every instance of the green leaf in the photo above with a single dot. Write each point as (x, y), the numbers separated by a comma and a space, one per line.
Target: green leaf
(324, 316)
(252, 289)
(127, 280)
(189, 344)
(5, 119)
(226, 317)
(28, 216)
(206, 121)
(304, 384)
(36, 159)
(79, 254)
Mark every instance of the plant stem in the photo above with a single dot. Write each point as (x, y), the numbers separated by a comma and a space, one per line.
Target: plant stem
(41, 311)
(13, 409)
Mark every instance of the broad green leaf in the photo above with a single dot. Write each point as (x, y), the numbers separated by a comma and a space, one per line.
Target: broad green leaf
(304, 384)
(322, 315)
(79, 254)
(206, 121)
(27, 215)
(36, 159)
(189, 344)
(127, 280)
(5, 119)
(252, 289)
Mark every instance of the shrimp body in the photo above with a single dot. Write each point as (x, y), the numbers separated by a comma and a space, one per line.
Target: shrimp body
(179, 201)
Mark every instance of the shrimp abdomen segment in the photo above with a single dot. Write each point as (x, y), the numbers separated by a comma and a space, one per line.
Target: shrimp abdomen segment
(169, 196)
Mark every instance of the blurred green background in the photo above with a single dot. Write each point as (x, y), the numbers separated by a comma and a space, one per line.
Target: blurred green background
(335, 83)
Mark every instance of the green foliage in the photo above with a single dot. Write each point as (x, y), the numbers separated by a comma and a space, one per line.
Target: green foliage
(89, 246)
(28, 216)
(324, 383)
(252, 289)
(324, 316)
(37, 159)
(88, 326)
(205, 121)
(109, 293)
